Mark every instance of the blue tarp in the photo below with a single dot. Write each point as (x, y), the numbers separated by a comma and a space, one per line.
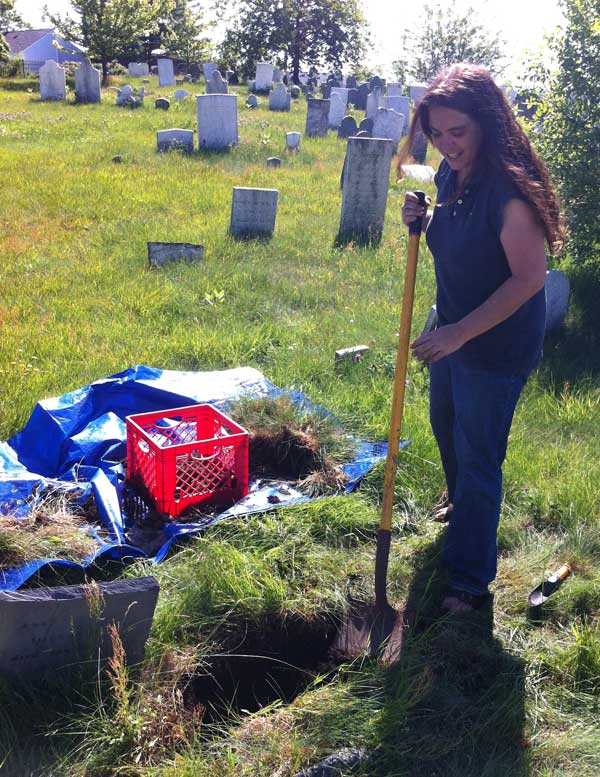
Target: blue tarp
(74, 444)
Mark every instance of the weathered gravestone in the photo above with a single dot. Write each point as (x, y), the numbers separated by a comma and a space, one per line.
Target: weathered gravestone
(352, 96)
(342, 91)
(217, 84)
(337, 110)
(557, 300)
(348, 127)
(53, 85)
(418, 150)
(375, 100)
(48, 629)
(364, 190)
(401, 105)
(366, 125)
(217, 121)
(181, 94)
(264, 77)
(351, 82)
(388, 124)
(326, 91)
(376, 83)
(160, 254)
(253, 212)
(252, 101)
(394, 89)
(294, 91)
(138, 70)
(87, 83)
(317, 117)
(124, 94)
(279, 99)
(276, 75)
(273, 161)
(416, 92)
(208, 68)
(292, 141)
(360, 102)
(166, 73)
(175, 138)
(162, 104)
(420, 173)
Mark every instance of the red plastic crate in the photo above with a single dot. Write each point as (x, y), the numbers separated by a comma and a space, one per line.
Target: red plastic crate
(187, 456)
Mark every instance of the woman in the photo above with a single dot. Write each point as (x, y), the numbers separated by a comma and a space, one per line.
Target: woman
(495, 210)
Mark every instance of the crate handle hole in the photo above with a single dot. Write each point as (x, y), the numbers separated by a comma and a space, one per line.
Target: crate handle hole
(143, 446)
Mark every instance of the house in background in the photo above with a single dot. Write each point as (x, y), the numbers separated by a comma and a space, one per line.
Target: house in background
(36, 47)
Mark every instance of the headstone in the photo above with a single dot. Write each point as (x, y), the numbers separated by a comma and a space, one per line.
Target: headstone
(138, 70)
(366, 125)
(401, 105)
(264, 77)
(175, 138)
(375, 83)
(348, 127)
(294, 92)
(124, 94)
(51, 629)
(388, 124)
(179, 81)
(351, 82)
(418, 150)
(326, 91)
(375, 100)
(362, 134)
(342, 92)
(317, 117)
(251, 86)
(160, 254)
(208, 68)
(162, 104)
(557, 289)
(292, 141)
(181, 94)
(352, 96)
(252, 101)
(337, 110)
(166, 74)
(279, 99)
(217, 121)
(87, 83)
(420, 173)
(273, 161)
(53, 85)
(416, 92)
(361, 98)
(117, 159)
(253, 211)
(394, 90)
(365, 190)
(276, 75)
(217, 84)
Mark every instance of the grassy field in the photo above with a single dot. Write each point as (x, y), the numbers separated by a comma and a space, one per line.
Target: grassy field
(508, 694)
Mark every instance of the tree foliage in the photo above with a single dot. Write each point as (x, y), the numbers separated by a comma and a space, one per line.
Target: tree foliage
(106, 28)
(9, 20)
(446, 37)
(295, 33)
(184, 38)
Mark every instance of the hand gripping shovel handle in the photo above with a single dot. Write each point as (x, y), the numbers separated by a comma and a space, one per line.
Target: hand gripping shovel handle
(385, 525)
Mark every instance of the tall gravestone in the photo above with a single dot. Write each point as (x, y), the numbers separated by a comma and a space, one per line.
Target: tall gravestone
(276, 75)
(264, 77)
(279, 99)
(216, 84)
(53, 84)
(364, 190)
(217, 121)
(166, 73)
(253, 212)
(342, 92)
(337, 111)
(351, 82)
(317, 117)
(375, 100)
(394, 89)
(416, 92)
(388, 124)
(208, 68)
(87, 83)
(401, 105)
(360, 102)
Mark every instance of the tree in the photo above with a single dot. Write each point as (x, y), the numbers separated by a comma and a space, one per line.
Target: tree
(9, 19)
(329, 33)
(107, 27)
(446, 37)
(183, 38)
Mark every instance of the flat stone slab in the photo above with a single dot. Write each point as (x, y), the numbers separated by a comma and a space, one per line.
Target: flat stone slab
(353, 354)
(175, 139)
(47, 629)
(160, 254)
(421, 173)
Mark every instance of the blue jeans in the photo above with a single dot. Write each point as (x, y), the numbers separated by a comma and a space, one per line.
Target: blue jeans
(471, 411)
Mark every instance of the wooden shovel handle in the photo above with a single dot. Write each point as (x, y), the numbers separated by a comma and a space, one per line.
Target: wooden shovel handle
(408, 296)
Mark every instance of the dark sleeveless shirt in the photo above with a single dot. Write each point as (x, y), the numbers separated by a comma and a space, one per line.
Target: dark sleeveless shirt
(470, 264)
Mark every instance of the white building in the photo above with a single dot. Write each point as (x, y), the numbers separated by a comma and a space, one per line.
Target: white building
(36, 47)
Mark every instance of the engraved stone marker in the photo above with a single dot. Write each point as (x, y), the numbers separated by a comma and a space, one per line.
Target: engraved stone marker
(273, 161)
(252, 101)
(401, 105)
(365, 189)
(208, 68)
(360, 101)
(87, 83)
(351, 82)
(388, 124)
(217, 121)
(166, 74)
(337, 110)
(366, 125)
(175, 138)
(138, 70)
(162, 104)
(53, 85)
(279, 99)
(181, 94)
(217, 84)
(276, 75)
(292, 141)
(160, 254)
(264, 77)
(47, 629)
(416, 92)
(317, 118)
(420, 173)
(294, 92)
(348, 127)
(253, 211)
(374, 101)
(394, 89)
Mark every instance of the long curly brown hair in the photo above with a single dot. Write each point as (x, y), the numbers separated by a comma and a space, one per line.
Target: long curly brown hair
(505, 148)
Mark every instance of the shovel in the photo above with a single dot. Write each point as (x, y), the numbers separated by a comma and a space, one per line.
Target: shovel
(377, 630)
(541, 594)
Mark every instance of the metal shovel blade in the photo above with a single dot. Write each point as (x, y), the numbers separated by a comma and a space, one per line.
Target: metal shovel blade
(371, 631)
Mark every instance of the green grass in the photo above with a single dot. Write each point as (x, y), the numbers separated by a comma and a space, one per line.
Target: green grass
(511, 694)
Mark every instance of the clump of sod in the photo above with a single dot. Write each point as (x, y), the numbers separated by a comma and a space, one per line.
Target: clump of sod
(294, 444)
(54, 529)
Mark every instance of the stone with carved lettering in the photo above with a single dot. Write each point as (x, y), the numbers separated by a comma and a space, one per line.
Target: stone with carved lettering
(388, 124)
(217, 84)
(180, 94)
(166, 72)
(87, 83)
(279, 99)
(292, 141)
(317, 117)
(53, 84)
(217, 121)
(169, 139)
(162, 104)
(263, 80)
(348, 127)
(253, 212)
